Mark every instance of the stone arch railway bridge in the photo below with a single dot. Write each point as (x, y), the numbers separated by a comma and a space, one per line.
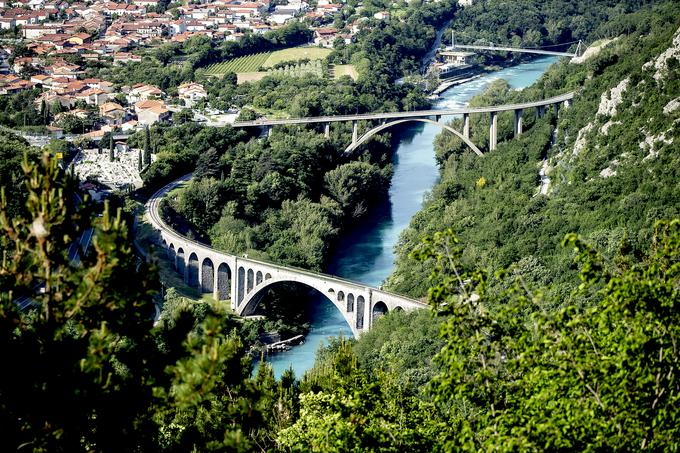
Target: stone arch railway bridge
(244, 281)
(390, 119)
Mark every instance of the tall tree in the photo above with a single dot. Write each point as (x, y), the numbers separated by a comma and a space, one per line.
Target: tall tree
(111, 149)
(147, 146)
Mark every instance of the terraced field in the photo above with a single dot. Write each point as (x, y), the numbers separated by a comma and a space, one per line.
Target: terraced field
(249, 63)
(265, 60)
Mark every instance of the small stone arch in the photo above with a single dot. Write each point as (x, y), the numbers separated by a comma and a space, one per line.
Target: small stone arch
(398, 309)
(223, 281)
(241, 284)
(341, 296)
(360, 313)
(180, 265)
(251, 280)
(331, 290)
(267, 276)
(258, 278)
(379, 309)
(192, 275)
(207, 276)
(350, 303)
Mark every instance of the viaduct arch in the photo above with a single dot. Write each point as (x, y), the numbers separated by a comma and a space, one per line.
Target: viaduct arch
(244, 281)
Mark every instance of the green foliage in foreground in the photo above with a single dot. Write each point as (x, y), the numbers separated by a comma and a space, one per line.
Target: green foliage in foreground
(87, 370)
(518, 376)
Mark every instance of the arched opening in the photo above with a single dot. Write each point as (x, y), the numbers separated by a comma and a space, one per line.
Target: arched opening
(258, 278)
(341, 296)
(360, 313)
(379, 309)
(172, 256)
(192, 275)
(223, 282)
(207, 276)
(364, 138)
(398, 309)
(350, 303)
(297, 301)
(241, 284)
(251, 279)
(268, 276)
(180, 266)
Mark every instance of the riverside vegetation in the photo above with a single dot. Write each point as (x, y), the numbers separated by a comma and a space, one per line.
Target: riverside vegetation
(539, 339)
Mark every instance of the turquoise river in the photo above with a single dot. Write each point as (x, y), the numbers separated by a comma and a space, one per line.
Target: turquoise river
(367, 253)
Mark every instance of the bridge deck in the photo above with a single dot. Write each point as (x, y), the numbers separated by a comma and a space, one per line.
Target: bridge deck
(405, 115)
(516, 49)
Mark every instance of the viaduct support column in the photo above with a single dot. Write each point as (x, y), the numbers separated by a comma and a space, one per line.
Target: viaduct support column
(327, 130)
(216, 288)
(493, 136)
(269, 131)
(355, 132)
(518, 122)
(466, 125)
(557, 108)
(567, 103)
(539, 111)
(234, 285)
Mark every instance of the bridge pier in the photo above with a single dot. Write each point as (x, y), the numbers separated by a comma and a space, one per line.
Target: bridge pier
(567, 103)
(557, 108)
(327, 130)
(355, 132)
(437, 118)
(268, 129)
(540, 111)
(493, 131)
(466, 125)
(518, 122)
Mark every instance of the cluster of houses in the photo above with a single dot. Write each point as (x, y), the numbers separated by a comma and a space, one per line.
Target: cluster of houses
(53, 31)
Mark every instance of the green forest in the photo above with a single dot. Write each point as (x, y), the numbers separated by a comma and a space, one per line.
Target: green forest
(552, 322)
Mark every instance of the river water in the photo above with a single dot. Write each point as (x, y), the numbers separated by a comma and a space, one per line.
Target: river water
(367, 253)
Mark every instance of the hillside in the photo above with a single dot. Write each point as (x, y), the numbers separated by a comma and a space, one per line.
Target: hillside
(610, 160)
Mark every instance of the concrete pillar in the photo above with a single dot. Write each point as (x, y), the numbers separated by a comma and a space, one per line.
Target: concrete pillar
(355, 132)
(327, 130)
(518, 122)
(493, 136)
(269, 131)
(557, 108)
(466, 125)
(437, 118)
(567, 103)
(539, 111)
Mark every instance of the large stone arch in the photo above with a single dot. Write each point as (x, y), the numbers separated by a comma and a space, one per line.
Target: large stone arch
(192, 271)
(252, 299)
(379, 309)
(207, 276)
(180, 265)
(382, 127)
(223, 281)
